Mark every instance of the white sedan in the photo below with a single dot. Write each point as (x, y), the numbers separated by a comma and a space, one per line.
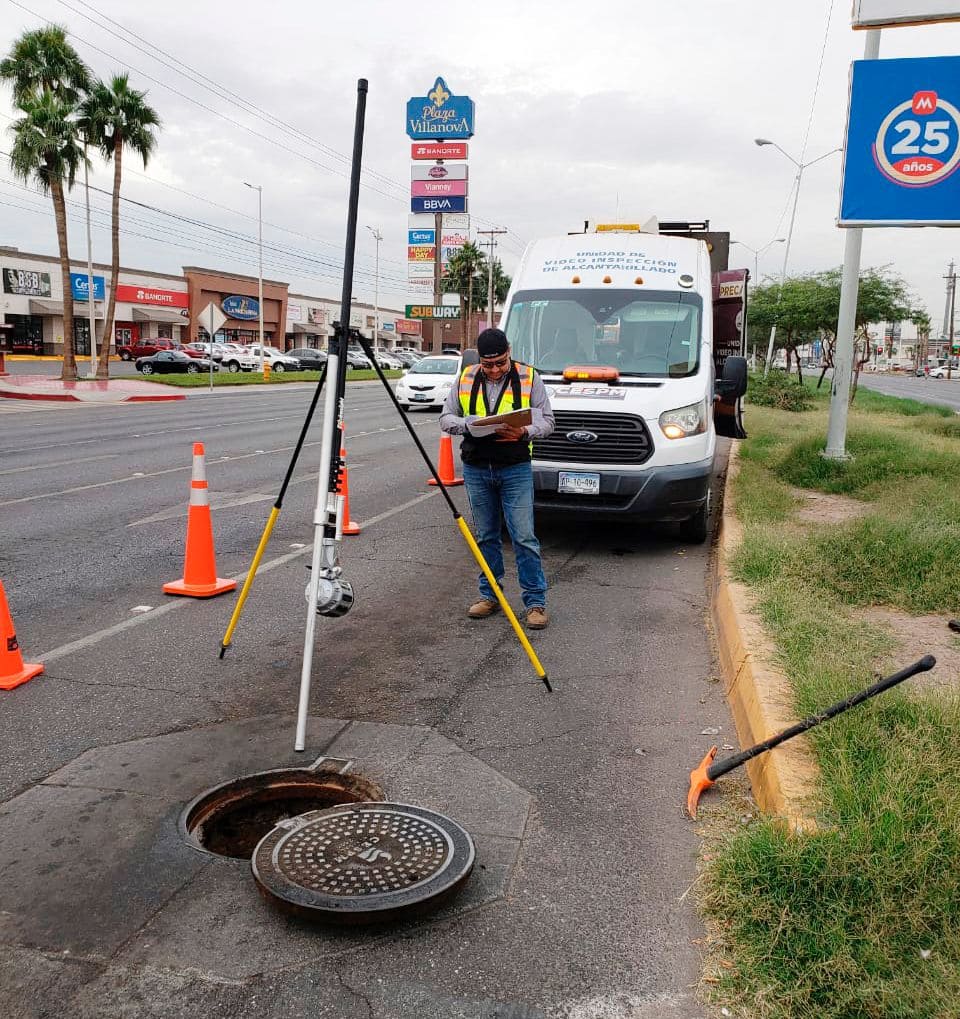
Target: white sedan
(428, 382)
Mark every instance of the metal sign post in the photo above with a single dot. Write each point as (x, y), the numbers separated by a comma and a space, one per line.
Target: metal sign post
(212, 319)
(327, 593)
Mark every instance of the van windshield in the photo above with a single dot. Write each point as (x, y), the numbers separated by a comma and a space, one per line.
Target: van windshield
(654, 334)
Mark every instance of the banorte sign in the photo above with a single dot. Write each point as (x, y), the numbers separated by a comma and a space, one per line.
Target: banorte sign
(149, 295)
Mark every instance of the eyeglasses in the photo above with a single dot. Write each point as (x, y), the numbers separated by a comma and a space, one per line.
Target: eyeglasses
(500, 362)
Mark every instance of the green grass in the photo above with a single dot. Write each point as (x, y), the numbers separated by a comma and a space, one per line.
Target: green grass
(222, 378)
(832, 924)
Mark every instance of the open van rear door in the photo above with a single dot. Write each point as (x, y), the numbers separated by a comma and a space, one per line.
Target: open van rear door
(730, 341)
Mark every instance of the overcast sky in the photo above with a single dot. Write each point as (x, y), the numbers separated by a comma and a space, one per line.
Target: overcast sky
(582, 111)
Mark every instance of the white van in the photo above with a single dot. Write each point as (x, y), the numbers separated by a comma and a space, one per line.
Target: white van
(620, 327)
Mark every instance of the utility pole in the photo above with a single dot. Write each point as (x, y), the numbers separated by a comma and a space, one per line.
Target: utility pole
(259, 190)
(91, 317)
(378, 237)
(492, 234)
(952, 293)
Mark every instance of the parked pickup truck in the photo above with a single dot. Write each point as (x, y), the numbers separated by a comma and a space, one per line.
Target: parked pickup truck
(239, 359)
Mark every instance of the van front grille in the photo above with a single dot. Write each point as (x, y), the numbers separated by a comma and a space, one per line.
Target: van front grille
(620, 439)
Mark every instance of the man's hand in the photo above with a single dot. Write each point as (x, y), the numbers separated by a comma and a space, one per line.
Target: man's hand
(507, 433)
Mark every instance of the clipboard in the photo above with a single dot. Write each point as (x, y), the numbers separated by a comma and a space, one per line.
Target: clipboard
(515, 418)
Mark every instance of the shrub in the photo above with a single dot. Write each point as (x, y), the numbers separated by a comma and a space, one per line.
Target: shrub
(778, 390)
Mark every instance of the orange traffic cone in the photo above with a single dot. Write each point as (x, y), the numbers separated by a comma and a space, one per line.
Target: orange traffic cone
(446, 470)
(200, 578)
(349, 526)
(13, 669)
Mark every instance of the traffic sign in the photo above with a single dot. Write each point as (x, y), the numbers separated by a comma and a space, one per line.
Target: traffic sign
(212, 319)
(903, 144)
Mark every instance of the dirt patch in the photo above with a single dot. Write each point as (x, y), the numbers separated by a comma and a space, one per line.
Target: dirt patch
(918, 636)
(821, 508)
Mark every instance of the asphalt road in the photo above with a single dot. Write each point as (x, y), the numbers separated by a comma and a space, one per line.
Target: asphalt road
(941, 391)
(598, 920)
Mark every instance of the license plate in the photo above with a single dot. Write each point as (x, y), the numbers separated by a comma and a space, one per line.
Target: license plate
(579, 484)
(423, 397)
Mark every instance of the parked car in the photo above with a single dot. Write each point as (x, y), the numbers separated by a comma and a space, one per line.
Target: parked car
(144, 348)
(386, 359)
(239, 359)
(278, 361)
(407, 357)
(309, 358)
(427, 384)
(168, 362)
(941, 372)
(357, 360)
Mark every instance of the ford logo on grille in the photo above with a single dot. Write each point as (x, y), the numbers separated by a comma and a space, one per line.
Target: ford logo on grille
(582, 436)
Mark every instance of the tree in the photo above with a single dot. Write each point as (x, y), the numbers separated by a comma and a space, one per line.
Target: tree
(112, 117)
(48, 78)
(501, 287)
(466, 276)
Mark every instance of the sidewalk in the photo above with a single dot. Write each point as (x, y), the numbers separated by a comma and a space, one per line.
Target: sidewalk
(43, 387)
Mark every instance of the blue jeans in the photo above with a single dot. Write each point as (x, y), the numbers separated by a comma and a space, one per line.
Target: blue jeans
(506, 494)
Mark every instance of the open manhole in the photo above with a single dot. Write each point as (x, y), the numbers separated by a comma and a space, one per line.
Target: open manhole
(363, 863)
(230, 819)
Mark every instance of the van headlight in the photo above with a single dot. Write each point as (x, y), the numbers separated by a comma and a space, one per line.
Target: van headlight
(684, 421)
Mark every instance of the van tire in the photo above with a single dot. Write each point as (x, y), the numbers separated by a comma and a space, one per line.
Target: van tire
(695, 529)
(233, 366)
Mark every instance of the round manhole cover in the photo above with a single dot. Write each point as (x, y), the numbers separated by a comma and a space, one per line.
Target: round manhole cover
(363, 862)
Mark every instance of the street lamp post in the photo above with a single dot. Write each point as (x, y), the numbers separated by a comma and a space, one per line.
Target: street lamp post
(757, 252)
(91, 315)
(259, 190)
(378, 237)
(793, 216)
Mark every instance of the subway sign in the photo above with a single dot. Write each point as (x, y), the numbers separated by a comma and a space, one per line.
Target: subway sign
(435, 311)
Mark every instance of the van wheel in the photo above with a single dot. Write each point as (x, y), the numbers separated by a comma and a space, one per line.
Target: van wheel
(233, 367)
(695, 530)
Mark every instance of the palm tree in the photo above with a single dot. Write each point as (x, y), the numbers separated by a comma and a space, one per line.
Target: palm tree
(466, 277)
(48, 77)
(46, 149)
(114, 116)
(43, 61)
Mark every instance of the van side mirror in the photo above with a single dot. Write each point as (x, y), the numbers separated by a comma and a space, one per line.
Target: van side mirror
(733, 384)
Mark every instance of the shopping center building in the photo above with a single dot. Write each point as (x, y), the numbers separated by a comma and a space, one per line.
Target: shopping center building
(152, 304)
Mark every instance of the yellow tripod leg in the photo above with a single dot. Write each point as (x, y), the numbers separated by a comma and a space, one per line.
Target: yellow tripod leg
(504, 604)
(251, 573)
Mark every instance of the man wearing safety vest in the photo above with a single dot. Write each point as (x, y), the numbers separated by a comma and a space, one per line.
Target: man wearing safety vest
(497, 470)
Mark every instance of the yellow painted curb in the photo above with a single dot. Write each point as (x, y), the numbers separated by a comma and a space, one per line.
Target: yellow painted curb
(784, 780)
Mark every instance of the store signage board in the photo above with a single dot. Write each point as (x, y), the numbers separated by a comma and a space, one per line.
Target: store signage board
(448, 203)
(896, 13)
(421, 222)
(454, 238)
(427, 188)
(80, 285)
(902, 146)
(440, 115)
(427, 311)
(420, 270)
(421, 253)
(387, 327)
(149, 295)
(456, 221)
(438, 150)
(26, 282)
(421, 237)
(212, 319)
(439, 171)
(408, 325)
(245, 308)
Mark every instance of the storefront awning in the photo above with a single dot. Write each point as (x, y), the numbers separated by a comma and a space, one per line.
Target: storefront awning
(159, 315)
(56, 308)
(309, 328)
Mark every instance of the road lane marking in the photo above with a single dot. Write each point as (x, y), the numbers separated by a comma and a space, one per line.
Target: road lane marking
(61, 463)
(83, 643)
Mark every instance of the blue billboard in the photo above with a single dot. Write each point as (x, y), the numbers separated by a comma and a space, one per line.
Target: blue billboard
(440, 115)
(903, 144)
(80, 285)
(422, 237)
(449, 203)
(241, 307)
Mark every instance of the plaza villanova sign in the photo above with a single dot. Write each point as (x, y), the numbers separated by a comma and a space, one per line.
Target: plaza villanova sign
(440, 114)
(241, 307)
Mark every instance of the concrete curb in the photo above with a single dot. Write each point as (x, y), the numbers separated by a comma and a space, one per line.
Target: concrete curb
(784, 780)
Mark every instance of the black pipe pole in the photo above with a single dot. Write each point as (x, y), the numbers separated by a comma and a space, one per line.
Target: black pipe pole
(341, 337)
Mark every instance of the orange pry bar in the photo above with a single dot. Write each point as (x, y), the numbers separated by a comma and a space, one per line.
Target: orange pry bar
(700, 781)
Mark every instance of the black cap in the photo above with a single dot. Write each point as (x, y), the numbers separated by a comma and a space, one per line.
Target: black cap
(492, 342)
